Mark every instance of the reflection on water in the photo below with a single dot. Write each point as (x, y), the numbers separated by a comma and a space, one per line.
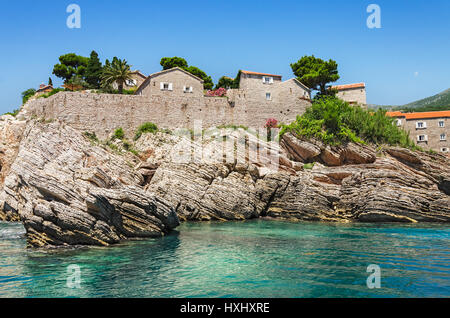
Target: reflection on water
(239, 259)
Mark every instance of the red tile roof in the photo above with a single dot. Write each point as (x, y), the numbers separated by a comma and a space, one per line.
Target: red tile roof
(44, 87)
(262, 74)
(420, 115)
(395, 114)
(349, 86)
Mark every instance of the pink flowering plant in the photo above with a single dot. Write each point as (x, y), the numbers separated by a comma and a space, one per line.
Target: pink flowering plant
(271, 123)
(220, 92)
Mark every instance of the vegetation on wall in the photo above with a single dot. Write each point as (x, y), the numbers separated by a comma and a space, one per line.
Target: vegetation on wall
(334, 122)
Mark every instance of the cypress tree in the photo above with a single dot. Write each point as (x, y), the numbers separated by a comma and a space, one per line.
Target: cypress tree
(94, 71)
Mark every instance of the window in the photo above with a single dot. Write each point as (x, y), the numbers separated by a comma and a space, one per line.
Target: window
(268, 96)
(267, 80)
(422, 138)
(166, 86)
(444, 149)
(441, 123)
(421, 125)
(131, 82)
(187, 89)
(443, 137)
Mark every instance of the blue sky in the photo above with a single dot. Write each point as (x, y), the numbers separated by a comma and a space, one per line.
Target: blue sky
(405, 60)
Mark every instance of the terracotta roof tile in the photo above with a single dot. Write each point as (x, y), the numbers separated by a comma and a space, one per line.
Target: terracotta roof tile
(420, 115)
(349, 86)
(257, 73)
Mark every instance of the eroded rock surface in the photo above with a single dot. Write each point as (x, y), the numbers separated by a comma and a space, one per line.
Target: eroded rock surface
(67, 192)
(11, 132)
(400, 185)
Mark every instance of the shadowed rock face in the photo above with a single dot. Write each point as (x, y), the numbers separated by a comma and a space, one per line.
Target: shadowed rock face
(67, 191)
(399, 186)
(11, 132)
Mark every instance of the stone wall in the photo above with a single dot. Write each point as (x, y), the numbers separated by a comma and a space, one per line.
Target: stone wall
(353, 95)
(103, 113)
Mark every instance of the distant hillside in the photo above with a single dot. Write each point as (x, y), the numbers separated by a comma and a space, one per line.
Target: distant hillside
(436, 102)
(439, 100)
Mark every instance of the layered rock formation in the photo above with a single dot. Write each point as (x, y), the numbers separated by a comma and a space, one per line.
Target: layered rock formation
(11, 132)
(69, 190)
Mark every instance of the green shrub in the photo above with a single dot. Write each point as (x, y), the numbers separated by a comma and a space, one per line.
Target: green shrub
(334, 121)
(91, 136)
(13, 113)
(53, 92)
(119, 134)
(26, 95)
(145, 128)
(308, 166)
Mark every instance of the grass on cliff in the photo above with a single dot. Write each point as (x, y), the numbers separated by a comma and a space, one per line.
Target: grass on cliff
(334, 122)
(146, 128)
(53, 92)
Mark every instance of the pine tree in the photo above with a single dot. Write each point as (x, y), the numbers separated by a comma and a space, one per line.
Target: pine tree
(94, 71)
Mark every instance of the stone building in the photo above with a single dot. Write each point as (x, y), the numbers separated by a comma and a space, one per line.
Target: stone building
(172, 82)
(137, 78)
(43, 89)
(354, 94)
(430, 130)
(270, 87)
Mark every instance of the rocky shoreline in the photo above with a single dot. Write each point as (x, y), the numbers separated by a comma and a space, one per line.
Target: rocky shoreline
(70, 190)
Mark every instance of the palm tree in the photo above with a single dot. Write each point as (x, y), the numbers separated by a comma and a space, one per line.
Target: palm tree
(118, 71)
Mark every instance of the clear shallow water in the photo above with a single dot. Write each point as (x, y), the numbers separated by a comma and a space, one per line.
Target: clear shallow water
(249, 259)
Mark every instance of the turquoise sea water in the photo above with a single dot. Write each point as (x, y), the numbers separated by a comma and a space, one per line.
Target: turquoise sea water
(239, 259)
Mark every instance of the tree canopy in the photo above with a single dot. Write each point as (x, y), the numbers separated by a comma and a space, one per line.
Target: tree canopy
(118, 71)
(70, 65)
(228, 82)
(171, 62)
(316, 73)
(225, 82)
(207, 80)
(93, 71)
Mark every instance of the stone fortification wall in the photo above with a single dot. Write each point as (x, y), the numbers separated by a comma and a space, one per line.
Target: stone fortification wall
(103, 113)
